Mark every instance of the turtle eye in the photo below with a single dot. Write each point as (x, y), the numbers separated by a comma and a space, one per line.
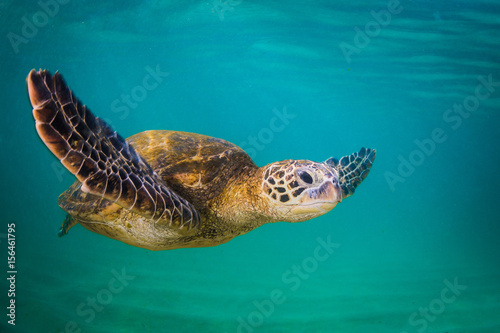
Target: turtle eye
(305, 177)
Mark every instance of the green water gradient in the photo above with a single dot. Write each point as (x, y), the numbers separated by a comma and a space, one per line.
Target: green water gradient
(416, 247)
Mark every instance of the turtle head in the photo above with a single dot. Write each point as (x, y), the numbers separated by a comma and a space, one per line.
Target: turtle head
(299, 190)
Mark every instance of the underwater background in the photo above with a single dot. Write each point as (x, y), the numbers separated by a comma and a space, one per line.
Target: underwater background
(416, 249)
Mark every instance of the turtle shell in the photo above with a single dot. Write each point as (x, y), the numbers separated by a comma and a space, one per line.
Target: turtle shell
(197, 167)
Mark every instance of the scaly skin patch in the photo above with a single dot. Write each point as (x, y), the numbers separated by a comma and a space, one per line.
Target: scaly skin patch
(285, 181)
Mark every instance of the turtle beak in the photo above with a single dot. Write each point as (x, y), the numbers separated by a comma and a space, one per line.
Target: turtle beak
(332, 190)
(323, 198)
(316, 201)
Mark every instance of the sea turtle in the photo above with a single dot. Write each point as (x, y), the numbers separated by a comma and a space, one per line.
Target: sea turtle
(163, 190)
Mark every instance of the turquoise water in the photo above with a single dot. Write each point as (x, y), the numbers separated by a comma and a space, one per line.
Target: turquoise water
(416, 249)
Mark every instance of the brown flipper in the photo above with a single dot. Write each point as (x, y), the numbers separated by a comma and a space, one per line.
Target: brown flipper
(352, 169)
(105, 164)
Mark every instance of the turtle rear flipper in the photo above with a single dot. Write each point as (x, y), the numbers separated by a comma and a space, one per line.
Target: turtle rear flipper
(68, 223)
(105, 164)
(352, 169)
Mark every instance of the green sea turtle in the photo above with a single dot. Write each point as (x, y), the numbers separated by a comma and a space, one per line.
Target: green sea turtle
(163, 190)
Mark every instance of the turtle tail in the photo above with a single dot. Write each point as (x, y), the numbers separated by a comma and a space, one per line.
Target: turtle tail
(105, 164)
(352, 169)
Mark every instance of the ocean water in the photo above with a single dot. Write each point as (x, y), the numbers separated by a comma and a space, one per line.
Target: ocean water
(416, 249)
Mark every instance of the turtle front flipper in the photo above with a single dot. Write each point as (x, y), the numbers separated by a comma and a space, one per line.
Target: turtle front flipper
(352, 169)
(105, 164)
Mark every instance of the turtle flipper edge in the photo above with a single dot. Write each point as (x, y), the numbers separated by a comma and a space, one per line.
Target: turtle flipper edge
(352, 169)
(105, 164)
